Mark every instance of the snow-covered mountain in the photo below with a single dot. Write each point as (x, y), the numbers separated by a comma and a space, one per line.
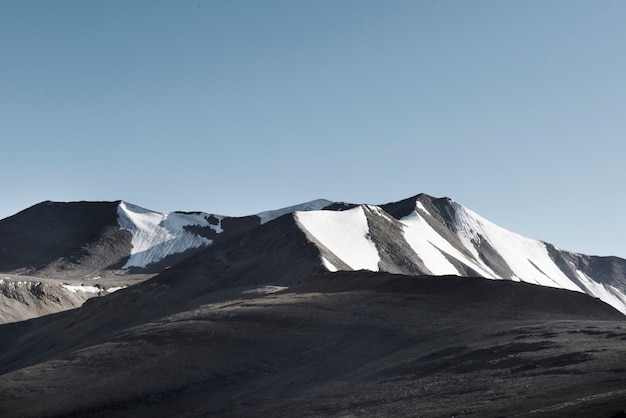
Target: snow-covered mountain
(156, 236)
(424, 235)
(420, 235)
(265, 313)
(89, 239)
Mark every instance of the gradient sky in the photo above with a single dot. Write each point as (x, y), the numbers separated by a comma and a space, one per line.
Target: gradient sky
(515, 109)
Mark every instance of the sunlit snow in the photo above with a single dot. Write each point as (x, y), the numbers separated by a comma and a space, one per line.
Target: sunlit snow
(115, 289)
(81, 288)
(527, 258)
(157, 235)
(329, 266)
(345, 233)
(429, 245)
(419, 205)
(606, 293)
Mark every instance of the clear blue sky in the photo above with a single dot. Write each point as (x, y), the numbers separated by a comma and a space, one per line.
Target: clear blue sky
(515, 109)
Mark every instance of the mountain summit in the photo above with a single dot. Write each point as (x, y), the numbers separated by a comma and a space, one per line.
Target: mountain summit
(426, 235)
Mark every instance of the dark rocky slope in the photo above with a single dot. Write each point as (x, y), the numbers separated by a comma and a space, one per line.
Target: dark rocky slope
(84, 239)
(349, 343)
(53, 238)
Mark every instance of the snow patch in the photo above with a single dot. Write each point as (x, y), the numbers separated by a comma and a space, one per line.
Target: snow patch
(82, 288)
(606, 293)
(308, 206)
(419, 205)
(346, 234)
(428, 245)
(115, 289)
(158, 235)
(329, 266)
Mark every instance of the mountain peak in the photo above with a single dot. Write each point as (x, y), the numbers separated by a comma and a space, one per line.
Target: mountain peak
(270, 215)
(418, 235)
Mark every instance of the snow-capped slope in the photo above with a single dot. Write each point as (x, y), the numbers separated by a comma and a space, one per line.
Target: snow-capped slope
(528, 259)
(344, 233)
(432, 247)
(158, 235)
(312, 205)
(418, 235)
(447, 238)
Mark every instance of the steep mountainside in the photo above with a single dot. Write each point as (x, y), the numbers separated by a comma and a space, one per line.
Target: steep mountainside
(425, 235)
(65, 238)
(94, 248)
(82, 239)
(419, 235)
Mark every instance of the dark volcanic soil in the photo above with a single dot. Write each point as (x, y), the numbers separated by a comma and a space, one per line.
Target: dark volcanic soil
(346, 344)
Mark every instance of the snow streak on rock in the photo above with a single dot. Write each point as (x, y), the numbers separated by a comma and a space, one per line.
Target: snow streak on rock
(157, 235)
(430, 246)
(527, 258)
(448, 239)
(604, 292)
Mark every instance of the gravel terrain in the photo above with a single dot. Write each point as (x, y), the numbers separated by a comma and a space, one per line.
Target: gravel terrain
(342, 344)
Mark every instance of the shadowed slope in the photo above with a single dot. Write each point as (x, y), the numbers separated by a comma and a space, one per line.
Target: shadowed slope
(343, 343)
(276, 253)
(53, 237)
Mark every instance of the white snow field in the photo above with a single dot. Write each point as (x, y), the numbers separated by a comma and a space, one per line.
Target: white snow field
(157, 235)
(345, 233)
(527, 258)
(82, 288)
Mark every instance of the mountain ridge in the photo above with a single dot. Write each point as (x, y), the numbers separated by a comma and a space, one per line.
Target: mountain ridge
(414, 236)
(349, 309)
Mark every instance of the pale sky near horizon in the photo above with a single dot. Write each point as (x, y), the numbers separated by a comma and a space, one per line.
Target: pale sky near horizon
(515, 109)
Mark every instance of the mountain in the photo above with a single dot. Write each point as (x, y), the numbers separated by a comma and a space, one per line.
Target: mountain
(425, 235)
(417, 307)
(118, 244)
(81, 239)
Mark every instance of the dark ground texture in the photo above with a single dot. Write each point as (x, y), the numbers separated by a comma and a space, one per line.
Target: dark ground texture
(51, 237)
(341, 344)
